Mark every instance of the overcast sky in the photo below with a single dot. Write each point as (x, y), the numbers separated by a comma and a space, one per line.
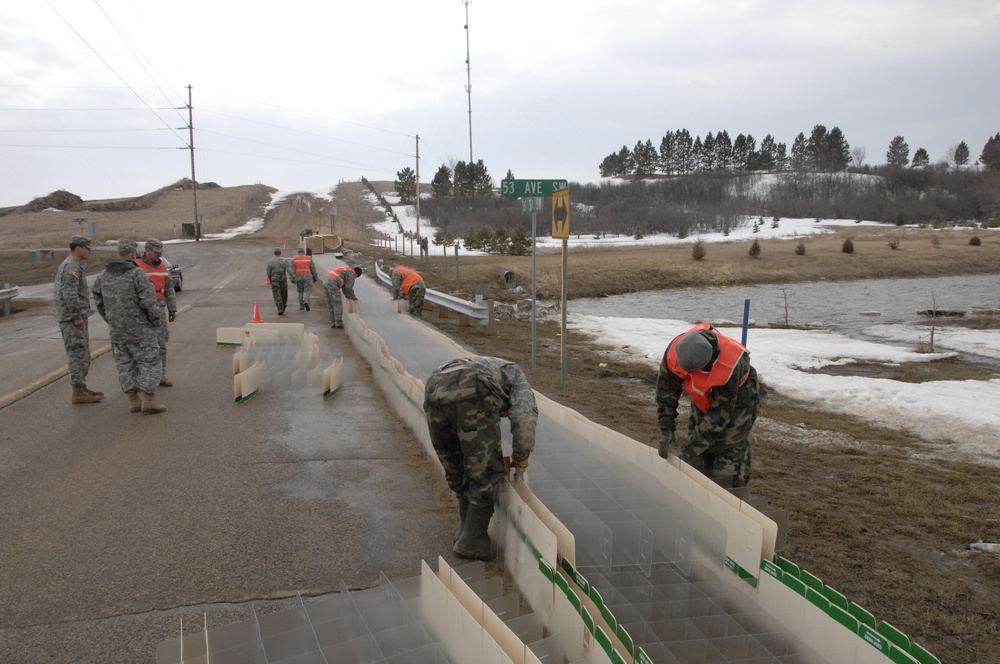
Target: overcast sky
(302, 94)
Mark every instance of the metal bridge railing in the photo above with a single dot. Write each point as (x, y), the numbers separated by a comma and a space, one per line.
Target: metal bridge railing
(480, 310)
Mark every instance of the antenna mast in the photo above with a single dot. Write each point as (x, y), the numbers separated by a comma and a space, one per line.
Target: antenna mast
(468, 76)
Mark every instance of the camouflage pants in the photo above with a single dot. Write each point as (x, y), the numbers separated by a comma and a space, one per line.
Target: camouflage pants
(334, 302)
(727, 454)
(77, 342)
(416, 297)
(463, 418)
(279, 290)
(162, 336)
(138, 366)
(305, 287)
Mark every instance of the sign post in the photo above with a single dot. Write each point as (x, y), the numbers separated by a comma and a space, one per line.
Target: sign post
(560, 229)
(531, 193)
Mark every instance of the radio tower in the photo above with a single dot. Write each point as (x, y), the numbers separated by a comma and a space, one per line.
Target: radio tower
(468, 75)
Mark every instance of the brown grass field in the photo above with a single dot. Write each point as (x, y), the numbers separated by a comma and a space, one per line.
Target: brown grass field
(872, 512)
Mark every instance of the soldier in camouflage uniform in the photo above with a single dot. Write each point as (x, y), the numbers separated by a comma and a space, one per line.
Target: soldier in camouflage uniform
(464, 401)
(71, 303)
(278, 272)
(339, 280)
(406, 281)
(126, 299)
(715, 372)
(156, 269)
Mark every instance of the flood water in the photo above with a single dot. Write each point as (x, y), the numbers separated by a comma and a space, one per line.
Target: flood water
(842, 306)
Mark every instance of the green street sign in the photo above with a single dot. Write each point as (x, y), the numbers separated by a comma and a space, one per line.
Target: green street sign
(519, 188)
(80, 220)
(531, 204)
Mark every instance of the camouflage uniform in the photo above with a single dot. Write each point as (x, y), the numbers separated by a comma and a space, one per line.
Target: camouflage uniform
(416, 295)
(278, 272)
(71, 302)
(304, 283)
(464, 401)
(126, 299)
(341, 282)
(718, 441)
(168, 307)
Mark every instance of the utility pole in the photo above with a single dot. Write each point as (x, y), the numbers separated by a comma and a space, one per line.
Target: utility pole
(194, 182)
(418, 189)
(468, 76)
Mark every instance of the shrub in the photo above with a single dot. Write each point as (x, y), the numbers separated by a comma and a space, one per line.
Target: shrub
(800, 249)
(992, 222)
(975, 241)
(755, 249)
(893, 243)
(848, 246)
(936, 243)
(698, 250)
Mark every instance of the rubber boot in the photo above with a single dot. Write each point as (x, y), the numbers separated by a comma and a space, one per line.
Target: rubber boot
(134, 402)
(463, 509)
(149, 406)
(474, 542)
(94, 392)
(81, 395)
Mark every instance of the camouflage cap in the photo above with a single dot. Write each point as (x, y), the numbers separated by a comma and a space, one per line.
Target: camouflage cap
(79, 241)
(154, 244)
(126, 244)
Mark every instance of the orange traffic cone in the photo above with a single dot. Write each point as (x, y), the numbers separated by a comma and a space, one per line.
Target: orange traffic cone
(256, 313)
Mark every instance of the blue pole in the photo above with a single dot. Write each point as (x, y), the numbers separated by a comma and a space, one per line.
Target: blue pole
(746, 320)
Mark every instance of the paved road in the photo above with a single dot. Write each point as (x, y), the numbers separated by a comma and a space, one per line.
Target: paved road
(115, 526)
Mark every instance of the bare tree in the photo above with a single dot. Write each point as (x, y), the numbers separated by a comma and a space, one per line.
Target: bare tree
(858, 156)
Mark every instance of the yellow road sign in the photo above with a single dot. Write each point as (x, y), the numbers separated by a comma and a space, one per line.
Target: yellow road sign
(560, 214)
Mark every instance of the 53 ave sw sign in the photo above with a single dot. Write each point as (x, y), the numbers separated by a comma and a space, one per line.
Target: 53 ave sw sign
(520, 188)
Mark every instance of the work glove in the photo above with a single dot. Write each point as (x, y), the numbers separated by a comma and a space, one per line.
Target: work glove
(171, 316)
(666, 439)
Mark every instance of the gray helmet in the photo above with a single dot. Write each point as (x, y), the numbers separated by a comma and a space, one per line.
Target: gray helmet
(694, 351)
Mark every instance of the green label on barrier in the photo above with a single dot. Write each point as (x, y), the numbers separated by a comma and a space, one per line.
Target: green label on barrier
(771, 569)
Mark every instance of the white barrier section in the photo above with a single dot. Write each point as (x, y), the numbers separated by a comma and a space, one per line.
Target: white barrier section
(610, 554)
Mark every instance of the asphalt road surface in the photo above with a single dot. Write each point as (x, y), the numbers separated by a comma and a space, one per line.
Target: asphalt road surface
(115, 527)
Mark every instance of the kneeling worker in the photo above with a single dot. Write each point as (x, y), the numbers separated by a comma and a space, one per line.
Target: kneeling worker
(464, 401)
(715, 372)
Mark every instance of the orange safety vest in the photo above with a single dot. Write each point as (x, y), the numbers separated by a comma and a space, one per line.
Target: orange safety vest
(699, 384)
(338, 271)
(409, 278)
(302, 264)
(159, 275)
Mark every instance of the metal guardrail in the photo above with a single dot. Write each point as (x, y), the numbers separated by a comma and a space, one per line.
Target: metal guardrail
(481, 310)
(7, 293)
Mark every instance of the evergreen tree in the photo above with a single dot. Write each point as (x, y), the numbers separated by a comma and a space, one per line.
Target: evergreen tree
(815, 148)
(441, 184)
(684, 149)
(667, 158)
(837, 153)
(962, 154)
(406, 185)
(782, 162)
(767, 156)
(899, 152)
(990, 156)
(921, 159)
(646, 158)
(799, 160)
(626, 160)
(723, 151)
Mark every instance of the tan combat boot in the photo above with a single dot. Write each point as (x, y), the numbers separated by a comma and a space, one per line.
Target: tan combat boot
(94, 392)
(134, 402)
(150, 406)
(81, 395)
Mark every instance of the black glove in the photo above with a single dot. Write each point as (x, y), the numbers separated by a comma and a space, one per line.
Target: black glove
(666, 439)
(171, 316)
(315, 279)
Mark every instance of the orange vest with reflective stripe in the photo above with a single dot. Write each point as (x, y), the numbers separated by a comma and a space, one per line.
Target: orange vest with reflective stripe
(337, 273)
(302, 264)
(409, 278)
(699, 384)
(159, 275)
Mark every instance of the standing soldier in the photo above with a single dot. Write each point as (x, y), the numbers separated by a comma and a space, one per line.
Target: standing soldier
(156, 269)
(125, 298)
(71, 302)
(406, 281)
(278, 271)
(464, 401)
(305, 277)
(715, 372)
(339, 280)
